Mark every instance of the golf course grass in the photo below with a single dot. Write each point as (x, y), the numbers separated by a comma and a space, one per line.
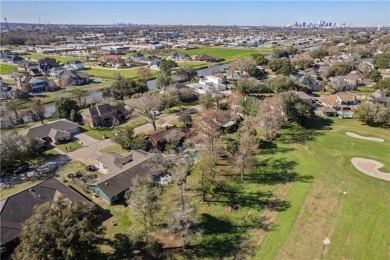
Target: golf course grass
(342, 204)
(227, 54)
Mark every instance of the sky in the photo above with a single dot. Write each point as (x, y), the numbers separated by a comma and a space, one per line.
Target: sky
(276, 13)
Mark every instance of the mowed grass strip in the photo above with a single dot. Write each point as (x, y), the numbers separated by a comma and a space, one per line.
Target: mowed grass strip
(225, 53)
(61, 59)
(7, 69)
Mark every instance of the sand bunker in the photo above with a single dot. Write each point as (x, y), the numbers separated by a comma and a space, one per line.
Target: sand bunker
(370, 167)
(373, 139)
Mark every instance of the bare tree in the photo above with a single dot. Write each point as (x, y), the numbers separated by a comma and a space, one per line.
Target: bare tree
(241, 64)
(271, 115)
(144, 205)
(144, 74)
(148, 103)
(205, 167)
(207, 127)
(38, 110)
(247, 148)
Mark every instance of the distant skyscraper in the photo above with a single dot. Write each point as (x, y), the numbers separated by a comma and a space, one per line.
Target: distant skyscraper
(304, 24)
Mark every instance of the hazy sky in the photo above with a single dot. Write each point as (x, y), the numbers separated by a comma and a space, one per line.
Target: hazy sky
(353, 13)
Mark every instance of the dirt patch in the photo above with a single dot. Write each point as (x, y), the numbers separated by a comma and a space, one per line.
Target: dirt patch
(370, 167)
(373, 139)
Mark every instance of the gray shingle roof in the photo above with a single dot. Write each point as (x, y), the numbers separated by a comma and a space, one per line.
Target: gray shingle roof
(17, 208)
(44, 130)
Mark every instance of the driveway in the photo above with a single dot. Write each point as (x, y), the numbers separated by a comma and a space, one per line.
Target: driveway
(89, 154)
(84, 139)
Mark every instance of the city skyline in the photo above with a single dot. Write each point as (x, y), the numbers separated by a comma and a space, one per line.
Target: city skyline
(278, 13)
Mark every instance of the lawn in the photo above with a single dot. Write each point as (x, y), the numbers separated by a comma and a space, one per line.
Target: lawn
(114, 148)
(194, 64)
(69, 146)
(97, 133)
(136, 122)
(7, 69)
(58, 58)
(227, 54)
(110, 73)
(356, 222)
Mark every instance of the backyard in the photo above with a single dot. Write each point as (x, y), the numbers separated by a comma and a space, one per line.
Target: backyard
(7, 69)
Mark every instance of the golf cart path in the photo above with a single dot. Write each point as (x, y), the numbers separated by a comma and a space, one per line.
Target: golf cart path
(373, 139)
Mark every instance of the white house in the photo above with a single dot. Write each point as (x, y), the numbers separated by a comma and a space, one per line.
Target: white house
(74, 65)
(208, 84)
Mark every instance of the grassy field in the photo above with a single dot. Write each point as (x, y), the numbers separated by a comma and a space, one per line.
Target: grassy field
(7, 69)
(356, 223)
(227, 54)
(58, 58)
(136, 122)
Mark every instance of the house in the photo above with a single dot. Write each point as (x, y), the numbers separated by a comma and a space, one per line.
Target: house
(208, 84)
(161, 138)
(73, 78)
(56, 71)
(302, 95)
(47, 63)
(178, 56)
(31, 67)
(381, 100)
(8, 57)
(326, 111)
(17, 208)
(4, 90)
(155, 65)
(340, 100)
(30, 84)
(207, 58)
(121, 171)
(137, 57)
(74, 65)
(313, 84)
(104, 115)
(54, 132)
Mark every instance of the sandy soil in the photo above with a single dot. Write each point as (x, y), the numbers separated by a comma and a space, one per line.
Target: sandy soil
(373, 139)
(370, 167)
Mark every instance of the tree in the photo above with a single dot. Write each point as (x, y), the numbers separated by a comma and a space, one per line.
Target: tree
(303, 63)
(163, 79)
(16, 150)
(148, 103)
(253, 71)
(296, 109)
(64, 107)
(207, 131)
(319, 53)
(144, 74)
(247, 148)
(207, 101)
(340, 69)
(281, 66)
(169, 99)
(38, 111)
(186, 73)
(61, 230)
(205, 167)
(271, 115)
(261, 60)
(372, 114)
(144, 206)
(384, 85)
(249, 105)
(251, 85)
(382, 61)
(375, 75)
(167, 65)
(123, 88)
(280, 83)
(124, 136)
(241, 64)
(186, 119)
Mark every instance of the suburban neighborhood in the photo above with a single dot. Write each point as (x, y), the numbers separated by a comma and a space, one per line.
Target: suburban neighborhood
(157, 141)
